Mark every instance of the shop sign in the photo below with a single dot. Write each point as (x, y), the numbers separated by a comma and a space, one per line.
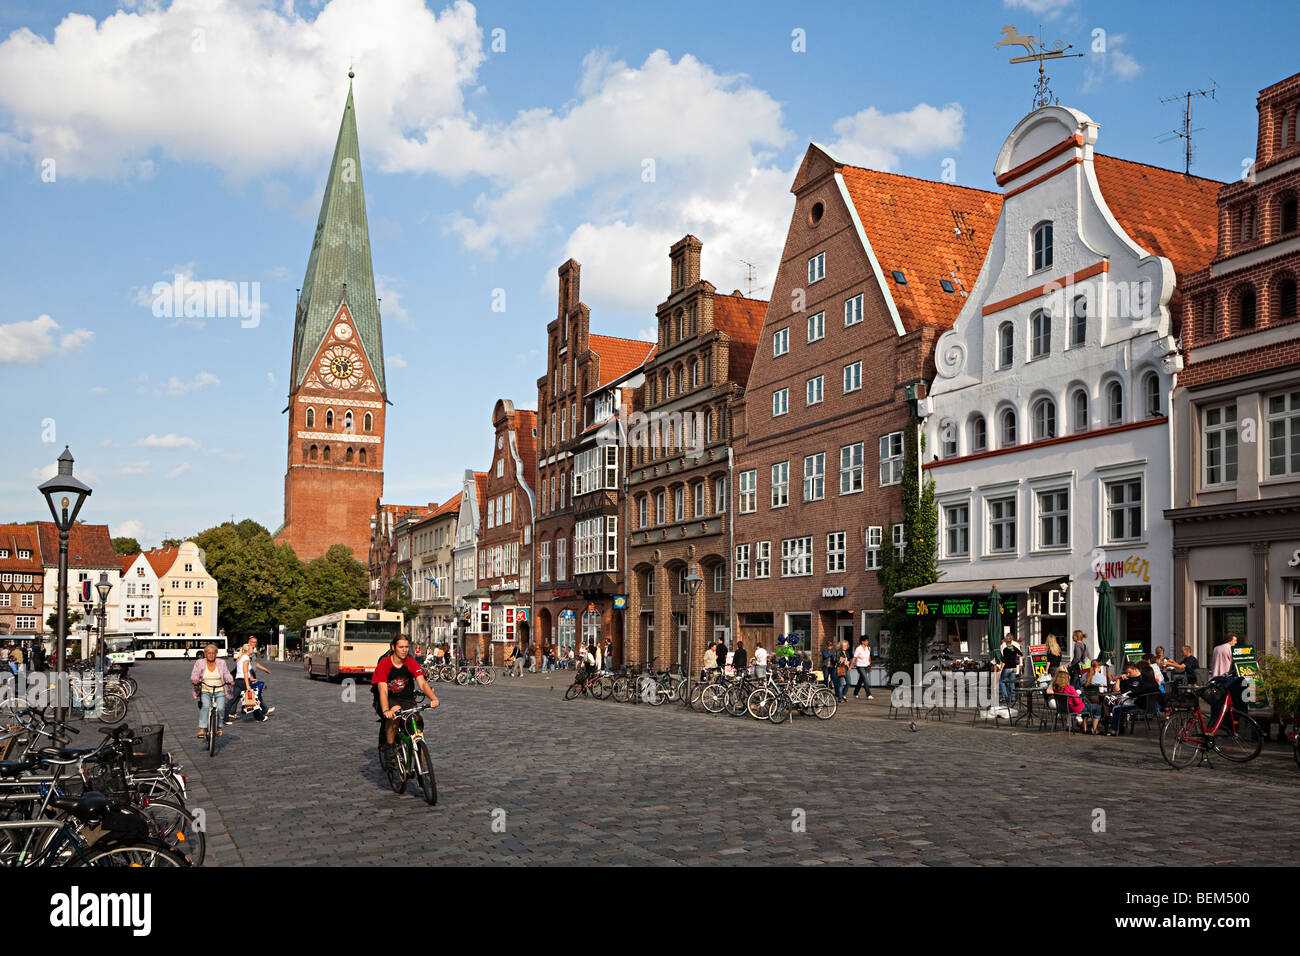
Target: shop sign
(959, 607)
(1228, 589)
(1133, 566)
(521, 614)
(1038, 657)
(620, 602)
(833, 592)
(1295, 559)
(1243, 658)
(1134, 651)
(567, 615)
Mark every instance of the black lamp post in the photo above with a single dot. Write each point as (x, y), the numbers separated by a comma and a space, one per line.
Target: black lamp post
(693, 582)
(65, 495)
(103, 587)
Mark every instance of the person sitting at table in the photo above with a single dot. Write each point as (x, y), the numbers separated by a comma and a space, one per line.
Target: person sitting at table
(1150, 659)
(1139, 687)
(1063, 694)
(1187, 667)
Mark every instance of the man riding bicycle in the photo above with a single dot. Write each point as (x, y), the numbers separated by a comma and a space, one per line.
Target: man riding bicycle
(395, 679)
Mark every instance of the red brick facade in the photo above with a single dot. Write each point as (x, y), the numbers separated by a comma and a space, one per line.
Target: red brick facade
(834, 360)
(22, 581)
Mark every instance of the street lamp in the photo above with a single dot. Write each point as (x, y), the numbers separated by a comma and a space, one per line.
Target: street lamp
(65, 495)
(103, 587)
(693, 582)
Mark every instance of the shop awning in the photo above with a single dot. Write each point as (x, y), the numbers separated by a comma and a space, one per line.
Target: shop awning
(947, 588)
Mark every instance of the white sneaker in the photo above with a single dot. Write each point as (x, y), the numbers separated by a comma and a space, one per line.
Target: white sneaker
(270, 711)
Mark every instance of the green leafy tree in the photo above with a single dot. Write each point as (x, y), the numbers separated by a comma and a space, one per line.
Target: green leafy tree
(917, 564)
(125, 546)
(257, 582)
(399, 599)
(52, 622)
(172, 542)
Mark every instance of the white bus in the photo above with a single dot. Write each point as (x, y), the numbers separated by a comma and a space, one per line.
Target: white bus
(148, 647)
(348, 642)
(119, 649)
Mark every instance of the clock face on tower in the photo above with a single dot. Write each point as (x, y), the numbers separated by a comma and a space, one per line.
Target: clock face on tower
(340, 367)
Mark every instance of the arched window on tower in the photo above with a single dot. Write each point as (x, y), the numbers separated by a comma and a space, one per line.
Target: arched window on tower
(369, 421)
(347, 456)
(329, 418)
(361, 455)
(311, 418)
(326, 453)
(347, 422)
(1246, 309)
(311, 453)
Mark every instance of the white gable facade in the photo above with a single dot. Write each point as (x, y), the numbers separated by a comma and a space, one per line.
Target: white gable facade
(1047, 429)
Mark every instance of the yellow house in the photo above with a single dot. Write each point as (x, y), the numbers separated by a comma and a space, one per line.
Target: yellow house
(187, 594)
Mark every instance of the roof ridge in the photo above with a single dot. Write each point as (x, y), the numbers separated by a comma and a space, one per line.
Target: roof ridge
(1163, 169)
(921, 179)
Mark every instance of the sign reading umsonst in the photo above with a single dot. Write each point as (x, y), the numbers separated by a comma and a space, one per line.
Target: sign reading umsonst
(959, 607)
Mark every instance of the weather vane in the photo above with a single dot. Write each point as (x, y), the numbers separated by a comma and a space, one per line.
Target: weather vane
(1037, 51)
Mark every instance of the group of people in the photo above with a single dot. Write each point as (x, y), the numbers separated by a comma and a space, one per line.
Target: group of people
(842, 667)
(214, 686)
(13, 657)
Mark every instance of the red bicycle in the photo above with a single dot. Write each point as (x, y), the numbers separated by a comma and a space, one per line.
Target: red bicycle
(1187, 740)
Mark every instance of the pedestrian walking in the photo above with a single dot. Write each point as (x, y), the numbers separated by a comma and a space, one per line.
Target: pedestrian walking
(1053, 655)
(840, 663)
(862, 664)
(828, 658)
(710, 662)
(740, 658)
(760, 661)
(1010, 669)
(1078, 654)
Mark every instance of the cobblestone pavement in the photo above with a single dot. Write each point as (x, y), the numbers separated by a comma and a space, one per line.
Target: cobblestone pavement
(589, 781)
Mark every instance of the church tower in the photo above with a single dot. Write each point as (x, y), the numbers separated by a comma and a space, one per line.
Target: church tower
(337, 391)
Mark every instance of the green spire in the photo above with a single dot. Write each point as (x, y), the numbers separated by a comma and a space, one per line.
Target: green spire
(339, 265)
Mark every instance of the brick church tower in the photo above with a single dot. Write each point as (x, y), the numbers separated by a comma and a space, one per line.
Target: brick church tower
(337, 391)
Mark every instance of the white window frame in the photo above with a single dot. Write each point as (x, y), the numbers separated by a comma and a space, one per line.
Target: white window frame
(817, 327)
(852, 377)
(960, 525)
(741, 570)
(891, 460)
(720, 495)
(747, 496)
(1223, 434)
(853, 310)
(1286, 424)
(836, 551)
(780, 402)
(998, 517)
(1042, 518)
(817, 268)
(697, 493)
(852, 466)
(875, 540)
(796, 557)
(781, 342)
(1041, 253)
(1040, 334)
(780, 484)
(763, 559)
(814, 477)
(815, 390)
(1127, 504)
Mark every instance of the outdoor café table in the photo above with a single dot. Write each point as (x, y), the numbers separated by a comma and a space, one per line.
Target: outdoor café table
(1024, 701)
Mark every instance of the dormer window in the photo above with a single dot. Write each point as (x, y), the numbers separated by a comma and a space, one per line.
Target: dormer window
(1042, 246)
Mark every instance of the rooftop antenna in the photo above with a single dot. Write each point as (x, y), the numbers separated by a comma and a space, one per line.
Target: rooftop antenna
(751, 279)
(1036, 51)
(1185, 133)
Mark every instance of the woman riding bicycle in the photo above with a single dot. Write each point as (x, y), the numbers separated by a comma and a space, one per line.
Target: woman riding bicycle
(213, 686)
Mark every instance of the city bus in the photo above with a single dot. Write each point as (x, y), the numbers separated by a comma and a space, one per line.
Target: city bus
(119, 649)
(148, 647)
(348, 643)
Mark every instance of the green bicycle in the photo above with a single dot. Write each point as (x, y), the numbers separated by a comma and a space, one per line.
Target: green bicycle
(409, 756)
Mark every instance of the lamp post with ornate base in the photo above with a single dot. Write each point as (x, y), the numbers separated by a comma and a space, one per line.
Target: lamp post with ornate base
(103, 587)
(693, 582)
(65, 495)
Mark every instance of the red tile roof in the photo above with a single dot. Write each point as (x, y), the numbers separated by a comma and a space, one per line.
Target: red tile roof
(525, 425)
(618, 356)
(1167, 213)
(450, 506)
(126, 560)
(161, 559)
(742, 320)
(22, 537)
(928, 231)
(480, 488)
(89, 546)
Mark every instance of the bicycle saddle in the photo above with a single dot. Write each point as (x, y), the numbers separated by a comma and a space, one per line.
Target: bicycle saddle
(91, 805)
(12, 769)
(61, 755)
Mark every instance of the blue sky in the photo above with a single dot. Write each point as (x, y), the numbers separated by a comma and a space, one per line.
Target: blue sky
(194, 138)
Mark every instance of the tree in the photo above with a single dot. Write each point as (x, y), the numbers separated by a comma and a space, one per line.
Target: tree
(257, 582)
(916, 567)
(399, 599)
(52, 622)
(125, 546)
(173, 542)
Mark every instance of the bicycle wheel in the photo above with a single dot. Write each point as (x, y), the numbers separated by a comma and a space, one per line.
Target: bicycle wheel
(759, 704)
(487, 675)
(213, 726)
(623, 690)
(824, 704)
(135, 855)
(648, 691)
(603, 688)
(424, 763)
(113, 710)
(131, 686)
(780, 709)
(447, 673)
(395, 767)
(176, 828)
(736, 701)
(1239, 739)
(1182, 741)
(574, 690)
(713, 698)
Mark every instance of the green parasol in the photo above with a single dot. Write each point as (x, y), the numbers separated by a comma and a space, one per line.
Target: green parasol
(1106, 626)
(995, 624)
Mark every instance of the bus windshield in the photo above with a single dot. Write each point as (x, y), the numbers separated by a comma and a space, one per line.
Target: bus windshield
(372, 631)
(117, 645)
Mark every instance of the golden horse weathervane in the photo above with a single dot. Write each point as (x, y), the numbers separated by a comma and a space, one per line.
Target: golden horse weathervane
(1035, 50)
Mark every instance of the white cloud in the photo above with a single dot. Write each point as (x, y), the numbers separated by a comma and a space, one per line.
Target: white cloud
(391, 306)
(168, 441)
(44, 472)
(270, 378)
(188, 301)
(175, 386)
(129, 529)
(179, 470)
(103, 97)
(26, 343)
(98, 390)
(395, 361)
(647, 335)
(137, 467)
(875, 139)
(1113, 62)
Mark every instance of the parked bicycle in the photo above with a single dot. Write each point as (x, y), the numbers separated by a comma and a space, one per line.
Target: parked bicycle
(1186, 739)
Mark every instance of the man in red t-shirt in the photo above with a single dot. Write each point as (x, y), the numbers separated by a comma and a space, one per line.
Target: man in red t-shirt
(396, 676)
